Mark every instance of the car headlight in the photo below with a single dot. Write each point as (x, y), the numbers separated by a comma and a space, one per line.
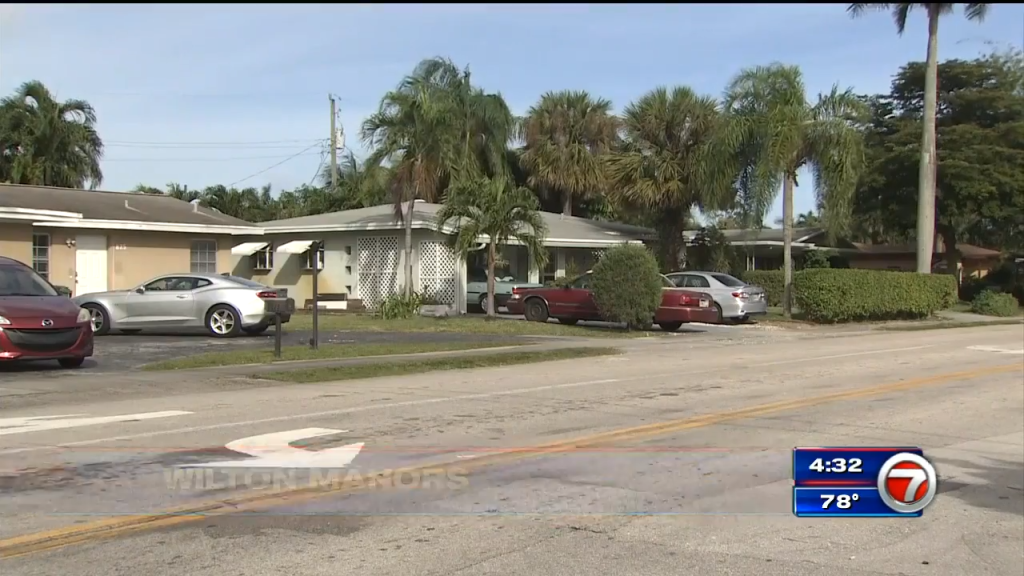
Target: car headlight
(83, 315)
(4, 321)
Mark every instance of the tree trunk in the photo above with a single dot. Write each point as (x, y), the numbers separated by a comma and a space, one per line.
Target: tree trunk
(926, 171)
(491, 257)
(408, 248)
(670, 240)
(566, 204)
(787, 244)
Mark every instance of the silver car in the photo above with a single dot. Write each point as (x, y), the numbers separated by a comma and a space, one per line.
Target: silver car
(734, 298)
(224, 305)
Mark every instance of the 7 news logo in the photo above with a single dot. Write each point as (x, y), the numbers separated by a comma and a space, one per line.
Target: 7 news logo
(907, 483)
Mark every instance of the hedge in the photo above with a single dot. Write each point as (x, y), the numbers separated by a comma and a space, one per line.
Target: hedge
(992, 303)
(771, 280)
(845, 295)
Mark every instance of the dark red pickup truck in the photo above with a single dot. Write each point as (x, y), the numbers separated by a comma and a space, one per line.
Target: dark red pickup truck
(575, 302)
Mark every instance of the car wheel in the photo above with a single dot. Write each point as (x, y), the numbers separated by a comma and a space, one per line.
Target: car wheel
(669, 326)
(222, 321)
(536, 310)
(721, 317)
(99, 319)
(568, 321)
(483, 303)
(71, 362)
(255, 330)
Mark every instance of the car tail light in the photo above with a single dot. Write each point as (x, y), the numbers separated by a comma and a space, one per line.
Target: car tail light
(687, 300)
(266, 294)
(518, 290)
(740, 295)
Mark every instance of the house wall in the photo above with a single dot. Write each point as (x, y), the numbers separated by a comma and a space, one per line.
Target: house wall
(132, 256)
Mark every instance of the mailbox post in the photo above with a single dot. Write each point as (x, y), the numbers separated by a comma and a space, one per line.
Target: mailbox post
(277, 307)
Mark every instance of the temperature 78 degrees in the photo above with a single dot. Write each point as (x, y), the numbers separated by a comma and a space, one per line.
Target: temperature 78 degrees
(843, 501)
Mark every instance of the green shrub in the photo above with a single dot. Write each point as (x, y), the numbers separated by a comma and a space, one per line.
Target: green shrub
(771, 280)
(815, 259)
(992, 303)
(627, 285)
(398, 306)
(845, 295)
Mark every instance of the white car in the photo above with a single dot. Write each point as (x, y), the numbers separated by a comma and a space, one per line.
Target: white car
(734, 299)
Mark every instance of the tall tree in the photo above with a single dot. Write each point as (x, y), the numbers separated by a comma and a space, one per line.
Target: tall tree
(789, 133)
(677, 153)
(46, 142)
(927, 165)
(565, 136)
(498, 210)
(433, 130)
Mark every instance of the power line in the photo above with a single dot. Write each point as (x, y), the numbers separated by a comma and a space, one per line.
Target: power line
(303, 152)
(206, 146)
(272, 166)
(178, 143)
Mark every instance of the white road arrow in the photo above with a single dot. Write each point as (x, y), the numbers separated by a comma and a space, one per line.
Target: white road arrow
(998, 350)
(40, 423)
(275, 451)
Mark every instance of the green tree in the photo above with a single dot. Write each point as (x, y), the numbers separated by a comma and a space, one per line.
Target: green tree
(565, 136)
(927, 164)
(498, 210)
(434, 130)
(677, 153)
(789, 133)
(143, 189)
(711, 252)
(45, 142)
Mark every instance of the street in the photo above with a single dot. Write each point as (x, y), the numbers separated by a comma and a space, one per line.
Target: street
(672, 458)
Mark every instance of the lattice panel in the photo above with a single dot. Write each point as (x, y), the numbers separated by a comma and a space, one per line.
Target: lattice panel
(377, 263)
(437, 271)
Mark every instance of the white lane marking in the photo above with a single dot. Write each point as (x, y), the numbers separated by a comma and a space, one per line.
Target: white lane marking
(426, 401)
(41, 423)
(275, 451)
(997, 349)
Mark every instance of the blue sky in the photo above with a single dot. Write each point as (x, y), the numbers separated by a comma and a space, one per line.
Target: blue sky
(212, 94)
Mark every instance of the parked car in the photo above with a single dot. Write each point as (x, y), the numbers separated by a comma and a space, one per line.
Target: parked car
(222, 304)
(734, 299)
(476, 290)
(36, 322)
(575, 302)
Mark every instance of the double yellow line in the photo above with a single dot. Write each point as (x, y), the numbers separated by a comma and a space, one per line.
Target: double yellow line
(93, 531)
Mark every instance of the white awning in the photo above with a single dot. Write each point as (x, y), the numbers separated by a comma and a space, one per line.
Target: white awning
(295, 247)
(247, 248)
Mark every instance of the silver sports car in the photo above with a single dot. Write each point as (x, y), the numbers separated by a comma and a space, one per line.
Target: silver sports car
(224, 305)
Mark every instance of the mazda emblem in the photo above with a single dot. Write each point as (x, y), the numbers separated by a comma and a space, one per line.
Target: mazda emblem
(47, 323)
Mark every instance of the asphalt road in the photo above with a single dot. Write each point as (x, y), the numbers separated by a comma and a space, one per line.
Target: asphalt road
(708, 493)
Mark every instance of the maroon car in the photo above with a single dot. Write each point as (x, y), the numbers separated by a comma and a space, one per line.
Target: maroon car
(575, 302)
(36, 322)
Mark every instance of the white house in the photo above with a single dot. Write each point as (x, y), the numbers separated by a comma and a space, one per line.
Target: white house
(362, 256)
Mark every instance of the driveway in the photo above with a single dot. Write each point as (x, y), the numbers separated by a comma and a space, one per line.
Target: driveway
(116, 353)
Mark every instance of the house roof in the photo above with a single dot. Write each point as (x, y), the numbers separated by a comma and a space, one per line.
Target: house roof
(966, 250)
(766, 235)
(561, 229)
(101, 205)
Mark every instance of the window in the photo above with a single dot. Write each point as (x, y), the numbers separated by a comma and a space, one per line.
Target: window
(200, 283)
(582, 283)
(692, 281)
(729, 281)
(170, 283)
(41, 254)
(666, 282)
(203, 258)
(263, 259)
(19, 280)
(308, 258)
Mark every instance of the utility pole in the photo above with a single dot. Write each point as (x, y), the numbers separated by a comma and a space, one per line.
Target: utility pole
(334, 146)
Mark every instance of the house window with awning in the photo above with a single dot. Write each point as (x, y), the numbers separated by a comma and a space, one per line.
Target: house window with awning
(263, 259)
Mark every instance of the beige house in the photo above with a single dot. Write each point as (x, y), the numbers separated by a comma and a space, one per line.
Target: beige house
(362, 254)
(91, 241)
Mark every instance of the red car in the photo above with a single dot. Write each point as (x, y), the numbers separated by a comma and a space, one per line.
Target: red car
(576, 302)
(37, 322)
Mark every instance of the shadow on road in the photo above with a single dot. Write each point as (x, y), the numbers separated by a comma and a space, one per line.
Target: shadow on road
(1001, 485)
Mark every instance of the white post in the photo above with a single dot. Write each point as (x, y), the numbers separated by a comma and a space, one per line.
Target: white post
(560, 261)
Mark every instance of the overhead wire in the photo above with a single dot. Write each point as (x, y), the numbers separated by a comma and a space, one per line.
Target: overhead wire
(272, 166)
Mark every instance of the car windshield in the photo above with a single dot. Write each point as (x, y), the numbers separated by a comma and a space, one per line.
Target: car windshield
(729, 281)
(23, 281)
(244, 282)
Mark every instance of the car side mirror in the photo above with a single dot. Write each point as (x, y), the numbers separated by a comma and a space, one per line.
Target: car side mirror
(140, 290)
(63, 290)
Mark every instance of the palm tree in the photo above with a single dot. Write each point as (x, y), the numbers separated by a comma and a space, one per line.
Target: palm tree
(181, 192)
(565, 136)
(360, 185)
(789, 133)
(45, 142)
(807, 219)
(435, 129)
(495, 210)
(678, 151)
(928, 164)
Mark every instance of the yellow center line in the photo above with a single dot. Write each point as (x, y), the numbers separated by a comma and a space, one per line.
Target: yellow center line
(93, 531)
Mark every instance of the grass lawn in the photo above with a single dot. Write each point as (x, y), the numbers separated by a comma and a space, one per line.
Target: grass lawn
(332, 351)
(329, 374)
(462, 324)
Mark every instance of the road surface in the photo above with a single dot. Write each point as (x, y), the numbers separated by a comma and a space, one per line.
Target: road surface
(671, 459)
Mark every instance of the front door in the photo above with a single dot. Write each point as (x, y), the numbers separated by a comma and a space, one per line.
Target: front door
(166, 302)
(90, 264)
